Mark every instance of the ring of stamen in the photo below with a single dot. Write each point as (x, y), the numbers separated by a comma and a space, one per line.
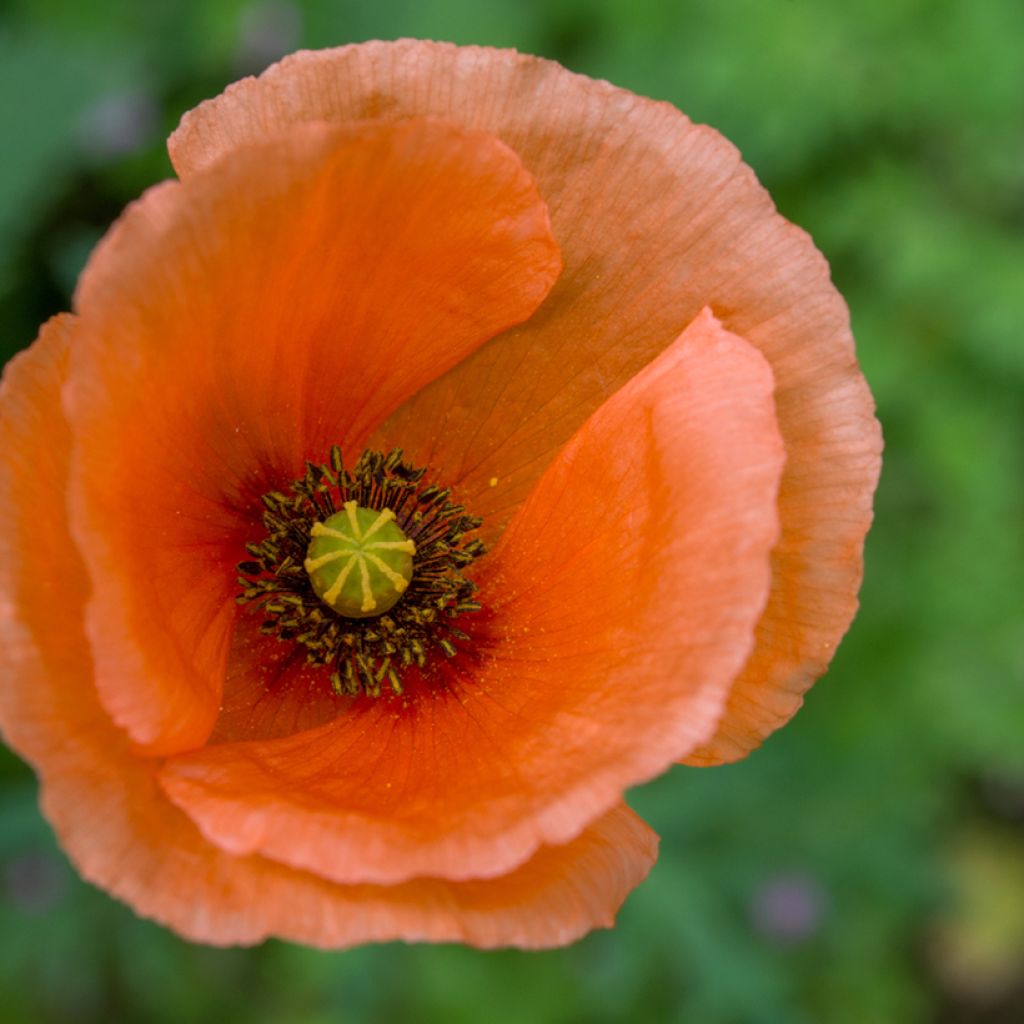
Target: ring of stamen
(324, 583)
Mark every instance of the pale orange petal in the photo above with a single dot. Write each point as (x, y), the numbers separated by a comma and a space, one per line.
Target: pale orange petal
(119, 829)
(656, 218)
(41, 578)
(278, 303)
(620, 604)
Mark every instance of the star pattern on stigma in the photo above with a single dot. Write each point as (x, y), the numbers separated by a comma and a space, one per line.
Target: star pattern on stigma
(364, 569)
(368, 542)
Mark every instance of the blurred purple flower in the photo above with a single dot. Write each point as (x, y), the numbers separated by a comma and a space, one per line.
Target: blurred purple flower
(789, 908)
(34, 883)
(268, 31)
(119, 123)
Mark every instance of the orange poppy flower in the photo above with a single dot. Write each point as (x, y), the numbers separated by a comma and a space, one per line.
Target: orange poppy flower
(539, 443)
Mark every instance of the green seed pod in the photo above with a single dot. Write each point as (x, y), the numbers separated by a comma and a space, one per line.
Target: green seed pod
(359, 562)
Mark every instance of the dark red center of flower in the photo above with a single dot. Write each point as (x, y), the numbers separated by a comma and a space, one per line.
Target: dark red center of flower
(395, 605)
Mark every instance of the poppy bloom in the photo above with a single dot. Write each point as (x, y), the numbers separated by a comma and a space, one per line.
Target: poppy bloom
(458, 443)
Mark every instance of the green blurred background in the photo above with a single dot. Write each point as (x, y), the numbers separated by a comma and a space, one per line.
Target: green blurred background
(867, 864)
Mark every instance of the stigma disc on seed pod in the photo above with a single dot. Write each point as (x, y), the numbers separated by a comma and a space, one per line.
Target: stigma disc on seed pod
(359, 561)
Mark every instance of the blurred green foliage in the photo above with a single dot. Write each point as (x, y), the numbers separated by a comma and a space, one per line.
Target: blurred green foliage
(866, 864)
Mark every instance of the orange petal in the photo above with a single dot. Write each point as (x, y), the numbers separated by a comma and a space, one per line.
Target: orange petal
(110, 815)
(620, 603)
(657, 218)
(280, 302)
(269, 690)
(40, 573)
